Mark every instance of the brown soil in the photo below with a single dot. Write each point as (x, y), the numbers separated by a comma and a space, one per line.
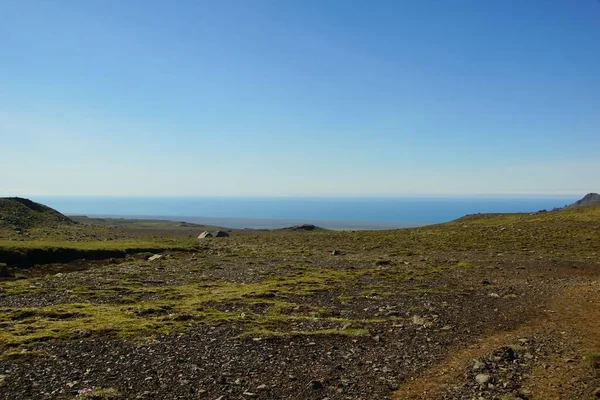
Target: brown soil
(571, 322)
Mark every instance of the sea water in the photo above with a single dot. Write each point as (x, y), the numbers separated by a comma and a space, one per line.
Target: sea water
(332, 212)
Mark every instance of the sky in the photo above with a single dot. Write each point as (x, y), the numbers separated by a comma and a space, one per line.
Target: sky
(299, 98)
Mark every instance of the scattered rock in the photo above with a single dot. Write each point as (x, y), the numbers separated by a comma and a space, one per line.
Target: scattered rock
(221, 234)
(483, 379)
(83, 332)
(479, 365)
(505, 353)
(155, 257)
(205, 234)
(317, 385)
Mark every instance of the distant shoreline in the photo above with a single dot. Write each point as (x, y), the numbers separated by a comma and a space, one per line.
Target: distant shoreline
(263, 223)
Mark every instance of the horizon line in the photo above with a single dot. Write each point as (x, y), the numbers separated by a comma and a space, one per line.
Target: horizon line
(307, 196)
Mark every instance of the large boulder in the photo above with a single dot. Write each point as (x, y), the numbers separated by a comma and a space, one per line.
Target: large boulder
(4, 271)
(205, 234)
(221, 234)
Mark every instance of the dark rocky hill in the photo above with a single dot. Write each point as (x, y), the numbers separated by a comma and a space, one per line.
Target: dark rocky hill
(590, 199)
(303, 228)
(19, 213)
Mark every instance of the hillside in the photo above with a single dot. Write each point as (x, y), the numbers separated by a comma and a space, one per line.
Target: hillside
(589, 199)
(19, 213)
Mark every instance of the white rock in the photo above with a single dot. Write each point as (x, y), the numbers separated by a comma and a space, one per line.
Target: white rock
(478, 365)
(482, 379)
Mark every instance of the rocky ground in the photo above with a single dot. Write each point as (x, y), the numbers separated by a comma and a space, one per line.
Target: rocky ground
(488, 307)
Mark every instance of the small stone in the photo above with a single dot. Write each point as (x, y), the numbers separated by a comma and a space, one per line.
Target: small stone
(336, 252)
(505, 353)
(316, 385)
(83, 332)
(249, 394)
(155, 257)
(478, 365)
(4, 271)
(261, 387)
(376, 338)
(482, 379)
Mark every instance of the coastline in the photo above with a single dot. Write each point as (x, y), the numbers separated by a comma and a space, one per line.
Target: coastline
(265, 223)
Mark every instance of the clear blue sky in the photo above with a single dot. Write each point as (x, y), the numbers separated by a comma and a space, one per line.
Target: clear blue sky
(289, 97)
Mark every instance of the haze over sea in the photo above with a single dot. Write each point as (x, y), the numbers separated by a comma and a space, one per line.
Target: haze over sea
(328, 212)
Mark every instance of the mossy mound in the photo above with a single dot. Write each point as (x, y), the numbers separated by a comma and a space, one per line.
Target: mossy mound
(18, 213)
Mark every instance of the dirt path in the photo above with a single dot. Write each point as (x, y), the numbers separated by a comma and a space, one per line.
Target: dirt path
(576, 317)
(571, 322)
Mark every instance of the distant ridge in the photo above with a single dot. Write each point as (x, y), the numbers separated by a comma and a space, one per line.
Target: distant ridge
(303, 227)
(20, 213)
(589, 199)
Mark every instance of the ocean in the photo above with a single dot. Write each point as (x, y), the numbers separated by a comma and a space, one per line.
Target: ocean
(328, 212)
